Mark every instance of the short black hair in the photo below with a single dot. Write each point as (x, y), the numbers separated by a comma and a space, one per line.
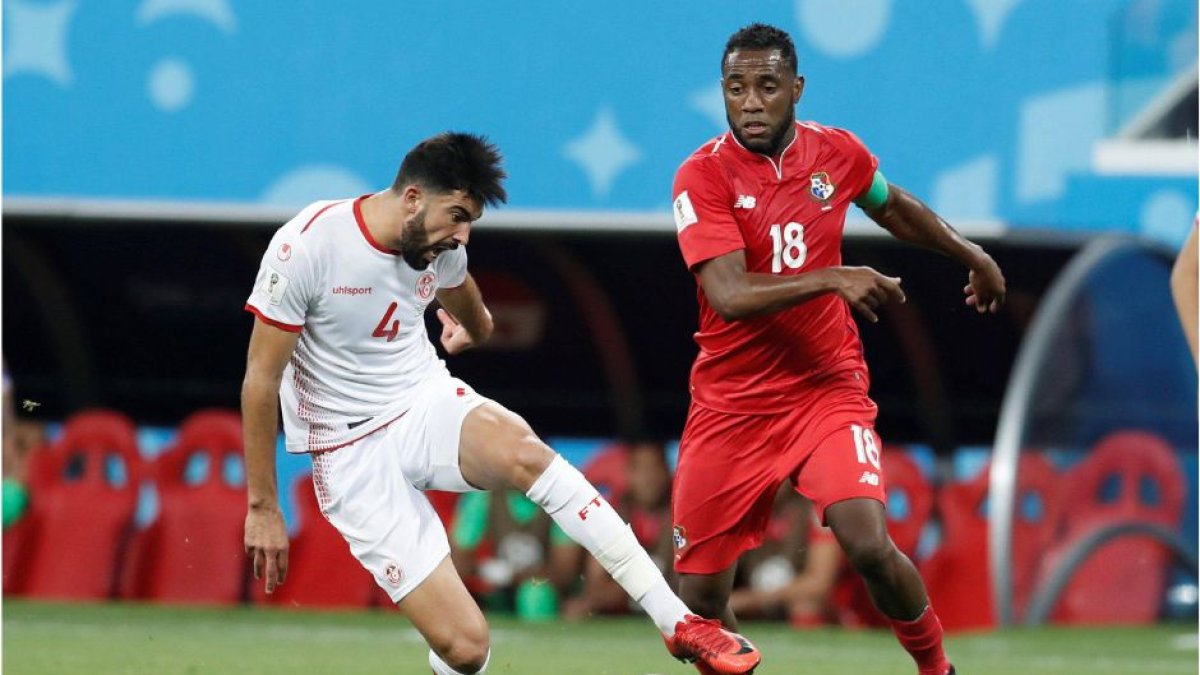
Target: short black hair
(455, 161)
(761, 36)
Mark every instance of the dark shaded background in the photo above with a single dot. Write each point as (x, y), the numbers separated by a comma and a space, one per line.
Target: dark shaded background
(594, 338)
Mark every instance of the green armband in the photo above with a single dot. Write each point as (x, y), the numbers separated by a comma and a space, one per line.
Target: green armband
(876, 195)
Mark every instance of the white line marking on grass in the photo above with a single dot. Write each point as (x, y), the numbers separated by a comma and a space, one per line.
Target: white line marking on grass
(1186, 642)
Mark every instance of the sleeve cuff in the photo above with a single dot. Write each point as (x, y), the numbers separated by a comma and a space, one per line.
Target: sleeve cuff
(291, 328)
(694, 261)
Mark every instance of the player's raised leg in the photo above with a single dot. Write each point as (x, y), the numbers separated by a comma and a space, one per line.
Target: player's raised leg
(448, 618)
(893, 582)
(497, 450)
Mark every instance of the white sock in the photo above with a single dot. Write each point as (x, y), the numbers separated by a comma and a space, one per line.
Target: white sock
(439, 666)
(587, 518)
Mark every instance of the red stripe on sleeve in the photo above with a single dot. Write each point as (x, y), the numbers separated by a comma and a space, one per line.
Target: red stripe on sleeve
(272, 322)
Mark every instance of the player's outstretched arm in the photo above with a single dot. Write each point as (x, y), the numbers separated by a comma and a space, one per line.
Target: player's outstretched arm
(466, 321)
(266, 535)
(736, 294)
(909, 219)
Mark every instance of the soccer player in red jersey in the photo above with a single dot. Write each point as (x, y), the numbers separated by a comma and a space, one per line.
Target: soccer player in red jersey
(779, 388)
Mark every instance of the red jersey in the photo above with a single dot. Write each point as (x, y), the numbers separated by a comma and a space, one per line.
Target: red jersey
(788, 215)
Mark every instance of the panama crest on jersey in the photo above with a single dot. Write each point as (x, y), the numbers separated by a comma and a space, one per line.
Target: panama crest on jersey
(679, 536)
(820, 187)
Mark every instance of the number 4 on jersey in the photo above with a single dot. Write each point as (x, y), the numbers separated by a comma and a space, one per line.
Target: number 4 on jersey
(788, 247)
(383, 330)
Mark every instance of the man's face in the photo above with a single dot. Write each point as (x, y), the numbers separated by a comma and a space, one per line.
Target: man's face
(442, 222)
(760, 98)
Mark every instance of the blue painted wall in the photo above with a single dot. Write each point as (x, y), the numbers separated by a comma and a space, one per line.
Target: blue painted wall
(987, 108)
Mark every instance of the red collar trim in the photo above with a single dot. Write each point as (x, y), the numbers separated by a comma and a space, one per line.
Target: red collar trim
(362, 227)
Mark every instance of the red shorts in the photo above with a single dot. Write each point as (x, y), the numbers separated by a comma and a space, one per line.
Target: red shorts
(731, 466)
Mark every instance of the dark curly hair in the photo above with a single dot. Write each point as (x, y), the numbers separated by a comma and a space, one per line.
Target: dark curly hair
(760, 36)
(455, 161)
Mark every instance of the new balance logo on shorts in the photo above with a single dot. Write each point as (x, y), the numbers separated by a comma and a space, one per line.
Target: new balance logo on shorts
(869, 478)
(745, 202)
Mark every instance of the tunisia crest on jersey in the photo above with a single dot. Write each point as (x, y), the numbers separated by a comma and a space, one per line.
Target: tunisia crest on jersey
(820, 187)
(426, 285)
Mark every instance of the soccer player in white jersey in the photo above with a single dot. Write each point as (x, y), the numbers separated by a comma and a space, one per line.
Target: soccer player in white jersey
(340, 342)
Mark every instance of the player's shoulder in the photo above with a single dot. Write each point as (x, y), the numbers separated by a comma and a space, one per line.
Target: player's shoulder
(318, 222)
(834, 136)
(301, 239)
(307, 221)
(707, 161)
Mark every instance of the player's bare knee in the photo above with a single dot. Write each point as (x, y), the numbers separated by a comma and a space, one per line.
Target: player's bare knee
(871, 555)
(466, 651)
(529, 458)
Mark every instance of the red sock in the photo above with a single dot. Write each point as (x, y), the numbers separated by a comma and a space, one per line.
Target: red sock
(923, 639)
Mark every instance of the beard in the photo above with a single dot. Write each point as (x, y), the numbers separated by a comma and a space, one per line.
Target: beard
(769, 146)
(414, 242)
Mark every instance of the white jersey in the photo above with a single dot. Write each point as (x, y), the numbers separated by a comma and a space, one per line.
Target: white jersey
(360, 312)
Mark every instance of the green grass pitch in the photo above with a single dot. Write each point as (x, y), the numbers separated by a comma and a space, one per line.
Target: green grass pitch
(111, 639)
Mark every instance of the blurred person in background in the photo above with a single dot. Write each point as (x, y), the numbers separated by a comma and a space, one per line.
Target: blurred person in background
(1183, 287)
(793, 574)
(516, 555)
(646, 504)
(780, 387)
(340, 338)
(17, 446)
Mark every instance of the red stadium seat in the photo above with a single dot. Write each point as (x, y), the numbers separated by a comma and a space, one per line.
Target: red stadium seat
(1123, 581)
(904, 478)
(193, 552)
(18, 538)
(958, 574)
(444, 503)
(608, 471)
(321, 571)
(81, 511)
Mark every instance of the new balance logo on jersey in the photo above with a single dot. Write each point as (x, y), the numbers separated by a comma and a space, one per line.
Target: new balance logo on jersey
(352, 290)
(870, 478)
(745, 202)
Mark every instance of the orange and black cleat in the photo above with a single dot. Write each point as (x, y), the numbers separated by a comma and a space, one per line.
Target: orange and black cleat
(714, 650)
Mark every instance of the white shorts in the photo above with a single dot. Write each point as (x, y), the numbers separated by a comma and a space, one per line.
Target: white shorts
(371, 490)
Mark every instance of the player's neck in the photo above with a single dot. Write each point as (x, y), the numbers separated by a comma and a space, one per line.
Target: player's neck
(776, 153)
(378, 213)
(784, 143)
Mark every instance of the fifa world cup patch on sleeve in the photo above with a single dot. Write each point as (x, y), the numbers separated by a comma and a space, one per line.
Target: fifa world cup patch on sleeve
(273, 286)
(685, 214)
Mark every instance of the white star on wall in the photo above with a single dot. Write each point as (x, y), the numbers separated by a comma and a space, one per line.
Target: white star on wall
(602, 152)
(990, 16)
(216, 12)
(710, 102)
(37, 40)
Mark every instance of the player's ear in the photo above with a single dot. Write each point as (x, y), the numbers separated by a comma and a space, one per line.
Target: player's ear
(411, 197)
(799, 89)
